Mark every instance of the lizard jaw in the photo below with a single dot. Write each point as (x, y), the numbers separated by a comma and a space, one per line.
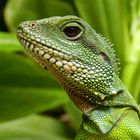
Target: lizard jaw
(42, 54)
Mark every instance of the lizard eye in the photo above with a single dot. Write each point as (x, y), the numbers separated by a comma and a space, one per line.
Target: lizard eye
(72, 31)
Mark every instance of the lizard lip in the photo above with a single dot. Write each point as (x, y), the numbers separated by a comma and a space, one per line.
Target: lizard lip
(47, 53)
(39, 49)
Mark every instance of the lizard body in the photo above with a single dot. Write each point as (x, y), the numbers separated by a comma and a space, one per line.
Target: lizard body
(84, 64)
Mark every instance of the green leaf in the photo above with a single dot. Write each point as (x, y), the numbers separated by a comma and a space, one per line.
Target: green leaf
(74, 114)
(9, 42)
(26, 89)
(17, 102)
(93, 12)
(19, 71)
(133, 53)
(35, 128)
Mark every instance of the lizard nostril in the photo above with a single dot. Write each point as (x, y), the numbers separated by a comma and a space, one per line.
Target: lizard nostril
(33, 25)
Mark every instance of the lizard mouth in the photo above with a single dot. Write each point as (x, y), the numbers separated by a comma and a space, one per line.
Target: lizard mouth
(43, 53)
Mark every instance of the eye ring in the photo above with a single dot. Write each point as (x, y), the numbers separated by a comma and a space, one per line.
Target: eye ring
(72, 30)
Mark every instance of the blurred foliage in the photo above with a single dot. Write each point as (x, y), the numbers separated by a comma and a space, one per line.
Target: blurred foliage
(30, 10)
(34, 127)
(26, 90)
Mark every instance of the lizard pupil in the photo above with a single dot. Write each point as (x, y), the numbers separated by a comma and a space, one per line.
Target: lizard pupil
(71, 31)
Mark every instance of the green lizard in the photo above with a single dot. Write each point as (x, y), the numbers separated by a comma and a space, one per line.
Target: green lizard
(85, 65)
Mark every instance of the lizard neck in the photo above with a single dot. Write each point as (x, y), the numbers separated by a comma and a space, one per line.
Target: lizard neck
(102, 120)
(108, 122)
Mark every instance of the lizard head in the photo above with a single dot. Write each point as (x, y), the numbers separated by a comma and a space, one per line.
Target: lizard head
(79, 58)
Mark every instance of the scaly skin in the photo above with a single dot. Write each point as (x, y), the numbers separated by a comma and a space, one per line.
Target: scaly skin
(85, 65)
